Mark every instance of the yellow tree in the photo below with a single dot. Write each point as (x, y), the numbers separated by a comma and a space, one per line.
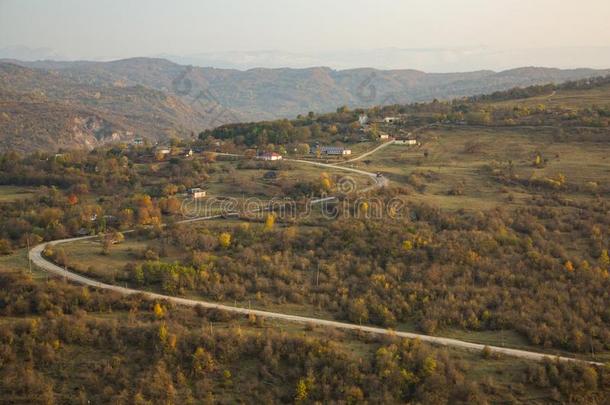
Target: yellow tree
(364, 208)
(159, 311)
(224, 240)
(538, 160)
(301, 391)
(270, 221)
(325, 182)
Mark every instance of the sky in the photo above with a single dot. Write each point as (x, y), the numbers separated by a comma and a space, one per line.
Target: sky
(438, 34)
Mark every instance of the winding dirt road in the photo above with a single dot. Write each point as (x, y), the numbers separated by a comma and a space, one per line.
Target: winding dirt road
(382, 146)
(37, 258)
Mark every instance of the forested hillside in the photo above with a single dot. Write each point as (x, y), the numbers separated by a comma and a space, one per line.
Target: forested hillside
(62, 344)
(46, 111)
(159, 99)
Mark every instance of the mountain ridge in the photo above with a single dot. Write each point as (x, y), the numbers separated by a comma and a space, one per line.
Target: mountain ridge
(159, 99)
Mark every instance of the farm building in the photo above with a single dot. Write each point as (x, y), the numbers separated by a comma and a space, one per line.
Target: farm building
(196, 193)
(270, 156)
(335, 150)
(409, 142)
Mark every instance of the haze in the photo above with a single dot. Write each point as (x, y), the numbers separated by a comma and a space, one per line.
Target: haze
(444, 36)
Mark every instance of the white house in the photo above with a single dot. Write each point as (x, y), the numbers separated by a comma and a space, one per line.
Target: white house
(391, 120)
(270, 156)
(196, 193)
(363, 119)
(383, 136)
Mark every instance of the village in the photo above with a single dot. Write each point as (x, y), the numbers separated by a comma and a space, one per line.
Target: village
(372, 135)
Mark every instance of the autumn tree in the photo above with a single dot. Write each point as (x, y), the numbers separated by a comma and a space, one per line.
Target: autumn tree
(202, 362)
(159, 311)
(72, 199)
(5, 247)
(301, 393)
(270, 221)
(224, 240)
(303, 149)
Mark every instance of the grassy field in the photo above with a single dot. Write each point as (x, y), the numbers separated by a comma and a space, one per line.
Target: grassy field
(233, 182)
(571, 99)
(86, 257)
(230, 178)
(461, 158)
(14, 193)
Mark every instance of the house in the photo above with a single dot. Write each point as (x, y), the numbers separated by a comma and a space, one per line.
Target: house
(163, 151)
(391, 120)
(138, 141)
(384, 136)
(188, 153)
(335, 151)
(270, 156)
(196, 193)
(409, 142)
(363, 119)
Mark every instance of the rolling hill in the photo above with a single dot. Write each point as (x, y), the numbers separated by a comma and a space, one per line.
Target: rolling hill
(41, 110)
(159, 99)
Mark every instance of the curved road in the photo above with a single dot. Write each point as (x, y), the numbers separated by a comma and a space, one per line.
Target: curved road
(378, 181)
(37, 259)
(35, 255)
(383, 145)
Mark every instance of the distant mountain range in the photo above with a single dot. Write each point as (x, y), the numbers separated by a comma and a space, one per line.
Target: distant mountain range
(435, 59)
(47, 104)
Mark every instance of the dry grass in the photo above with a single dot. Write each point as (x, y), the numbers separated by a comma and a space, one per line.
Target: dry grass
(452, 163)
(15, 193)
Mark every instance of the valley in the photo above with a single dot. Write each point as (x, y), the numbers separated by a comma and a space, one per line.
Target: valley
(435, 224)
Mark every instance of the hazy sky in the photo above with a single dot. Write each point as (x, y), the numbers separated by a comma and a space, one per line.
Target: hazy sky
(123, 28)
